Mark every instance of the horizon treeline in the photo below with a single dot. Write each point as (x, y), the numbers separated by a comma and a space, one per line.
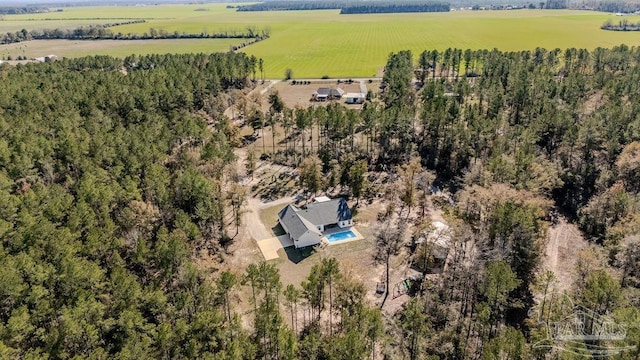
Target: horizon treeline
(349, 7)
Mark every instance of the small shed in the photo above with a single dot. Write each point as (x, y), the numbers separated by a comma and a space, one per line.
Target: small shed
(355, 98)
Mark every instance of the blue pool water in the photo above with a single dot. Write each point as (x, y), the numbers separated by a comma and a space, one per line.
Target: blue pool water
(341, 236)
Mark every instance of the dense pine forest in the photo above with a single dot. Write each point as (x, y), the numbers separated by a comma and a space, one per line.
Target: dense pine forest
(111, 178)
(116, 174)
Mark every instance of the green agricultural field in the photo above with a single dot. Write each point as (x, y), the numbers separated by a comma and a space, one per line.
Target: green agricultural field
(317, 43)
(358, 45)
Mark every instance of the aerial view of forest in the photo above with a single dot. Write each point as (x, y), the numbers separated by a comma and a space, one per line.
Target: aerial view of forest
(463, 197)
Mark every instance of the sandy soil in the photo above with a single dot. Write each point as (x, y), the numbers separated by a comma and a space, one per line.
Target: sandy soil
(244, 250)
(561, 253)
(300, 95)
(256, 228)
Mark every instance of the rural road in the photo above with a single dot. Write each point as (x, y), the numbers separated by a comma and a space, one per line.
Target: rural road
(271, 84)
(229, 111)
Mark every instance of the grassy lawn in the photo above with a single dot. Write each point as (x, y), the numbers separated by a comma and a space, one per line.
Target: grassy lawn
(317, 43)
(269, 218)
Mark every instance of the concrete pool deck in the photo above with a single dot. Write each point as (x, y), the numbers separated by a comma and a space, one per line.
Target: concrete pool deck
(352, 229)
(269, 247)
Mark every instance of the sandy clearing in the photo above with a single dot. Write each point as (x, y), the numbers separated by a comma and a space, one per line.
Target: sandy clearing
(561, 253)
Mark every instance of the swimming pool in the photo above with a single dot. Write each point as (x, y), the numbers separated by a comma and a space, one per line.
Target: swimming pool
(341, 236)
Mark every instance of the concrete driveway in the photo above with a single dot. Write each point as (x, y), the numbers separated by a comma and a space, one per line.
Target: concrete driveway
(269, 247)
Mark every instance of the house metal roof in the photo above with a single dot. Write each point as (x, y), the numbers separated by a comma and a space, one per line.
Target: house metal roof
(325, 91)
(337, 92)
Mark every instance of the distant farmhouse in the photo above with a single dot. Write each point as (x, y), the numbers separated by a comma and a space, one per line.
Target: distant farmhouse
(325, 93)
(46, 58)
(306, 226)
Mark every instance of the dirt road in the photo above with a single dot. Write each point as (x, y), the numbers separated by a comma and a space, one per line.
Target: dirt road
(229, 111)
(561, 253)
(256, 229)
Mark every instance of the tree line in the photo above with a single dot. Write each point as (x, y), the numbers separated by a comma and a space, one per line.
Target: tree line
(625, 7)
(17, 10)
(348, 7)
(404, 7)
(290, 5)
(102, 32)
(622, 25)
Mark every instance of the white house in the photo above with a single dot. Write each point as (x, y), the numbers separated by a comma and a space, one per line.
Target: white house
(324, 94)
(306, 225)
